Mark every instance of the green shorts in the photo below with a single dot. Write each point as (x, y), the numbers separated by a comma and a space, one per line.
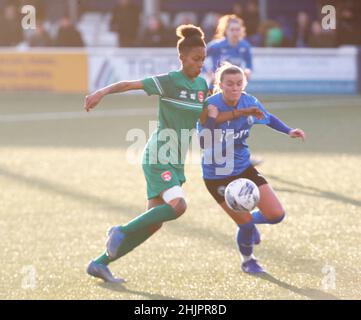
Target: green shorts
(161, 177)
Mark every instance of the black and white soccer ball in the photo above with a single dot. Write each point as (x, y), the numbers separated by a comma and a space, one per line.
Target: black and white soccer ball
(242, 195)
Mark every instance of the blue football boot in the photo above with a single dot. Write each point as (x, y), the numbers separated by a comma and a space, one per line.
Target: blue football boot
(101, 271)
(252, 267)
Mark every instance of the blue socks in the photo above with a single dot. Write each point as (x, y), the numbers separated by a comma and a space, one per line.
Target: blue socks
(244, 238)
(245, 232)
(259, 218)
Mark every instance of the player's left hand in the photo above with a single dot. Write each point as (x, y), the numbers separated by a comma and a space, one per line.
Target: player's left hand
(297, 133)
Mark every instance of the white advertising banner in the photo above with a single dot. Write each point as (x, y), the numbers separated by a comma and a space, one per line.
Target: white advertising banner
(305, 64)
(296, 70)
(110, 65)
(276, 70)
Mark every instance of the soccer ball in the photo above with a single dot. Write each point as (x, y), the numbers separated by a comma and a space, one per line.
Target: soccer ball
(242, 195)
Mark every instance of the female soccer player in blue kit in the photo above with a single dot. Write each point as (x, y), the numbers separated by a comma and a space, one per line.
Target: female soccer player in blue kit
(225, 113)
(230, 46)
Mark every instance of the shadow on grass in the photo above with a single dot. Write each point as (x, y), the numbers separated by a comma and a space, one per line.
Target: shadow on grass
(314, 192)
(128, 212)
(188, 230)
(122, 211)
(121, 288)
(310, 293)
(58, 189)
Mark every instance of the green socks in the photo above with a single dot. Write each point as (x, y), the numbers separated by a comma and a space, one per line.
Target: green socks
(103, 259)
(155, 215)
(133, 240)
(130, 242)
(139, 229)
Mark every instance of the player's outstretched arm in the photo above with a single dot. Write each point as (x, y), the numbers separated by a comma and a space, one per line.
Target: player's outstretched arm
(280, 126)
(93, 99)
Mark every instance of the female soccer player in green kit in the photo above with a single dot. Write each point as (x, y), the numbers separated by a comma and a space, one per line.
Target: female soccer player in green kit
(181, 97)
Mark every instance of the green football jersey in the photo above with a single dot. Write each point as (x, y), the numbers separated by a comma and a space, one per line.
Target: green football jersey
(181, 101)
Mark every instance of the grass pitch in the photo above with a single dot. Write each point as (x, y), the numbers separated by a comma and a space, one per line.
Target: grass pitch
(65, 178)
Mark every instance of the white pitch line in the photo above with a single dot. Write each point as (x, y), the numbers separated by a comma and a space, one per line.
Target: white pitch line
(27, 117)
(129, 112)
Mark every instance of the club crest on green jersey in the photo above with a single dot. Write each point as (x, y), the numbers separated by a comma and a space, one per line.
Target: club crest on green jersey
(166, 176)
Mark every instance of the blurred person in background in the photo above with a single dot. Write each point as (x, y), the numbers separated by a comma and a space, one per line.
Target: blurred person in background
(125, 22)
(287, 31)
(348, 27)
(182, 18)
(249, 14)
(68, 35)
(321, 38)
(209, 25)
(274, 37)
(302, 30)
(11, 33)
(228, 45)
(55, 10)
(251, 17)
(269, 35)
(238, 10)
(155, 34)
(40, 37)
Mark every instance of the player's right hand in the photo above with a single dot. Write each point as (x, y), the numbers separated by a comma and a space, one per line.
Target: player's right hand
(212, 111)
(92, 100)
(253, 111)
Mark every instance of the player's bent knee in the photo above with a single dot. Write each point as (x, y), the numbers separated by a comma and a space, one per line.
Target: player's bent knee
(240, 219)
(179, 205)
(278, 217)
(175, 197)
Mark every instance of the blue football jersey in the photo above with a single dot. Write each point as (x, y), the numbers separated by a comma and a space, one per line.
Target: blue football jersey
(228, 154)
(219, 51)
